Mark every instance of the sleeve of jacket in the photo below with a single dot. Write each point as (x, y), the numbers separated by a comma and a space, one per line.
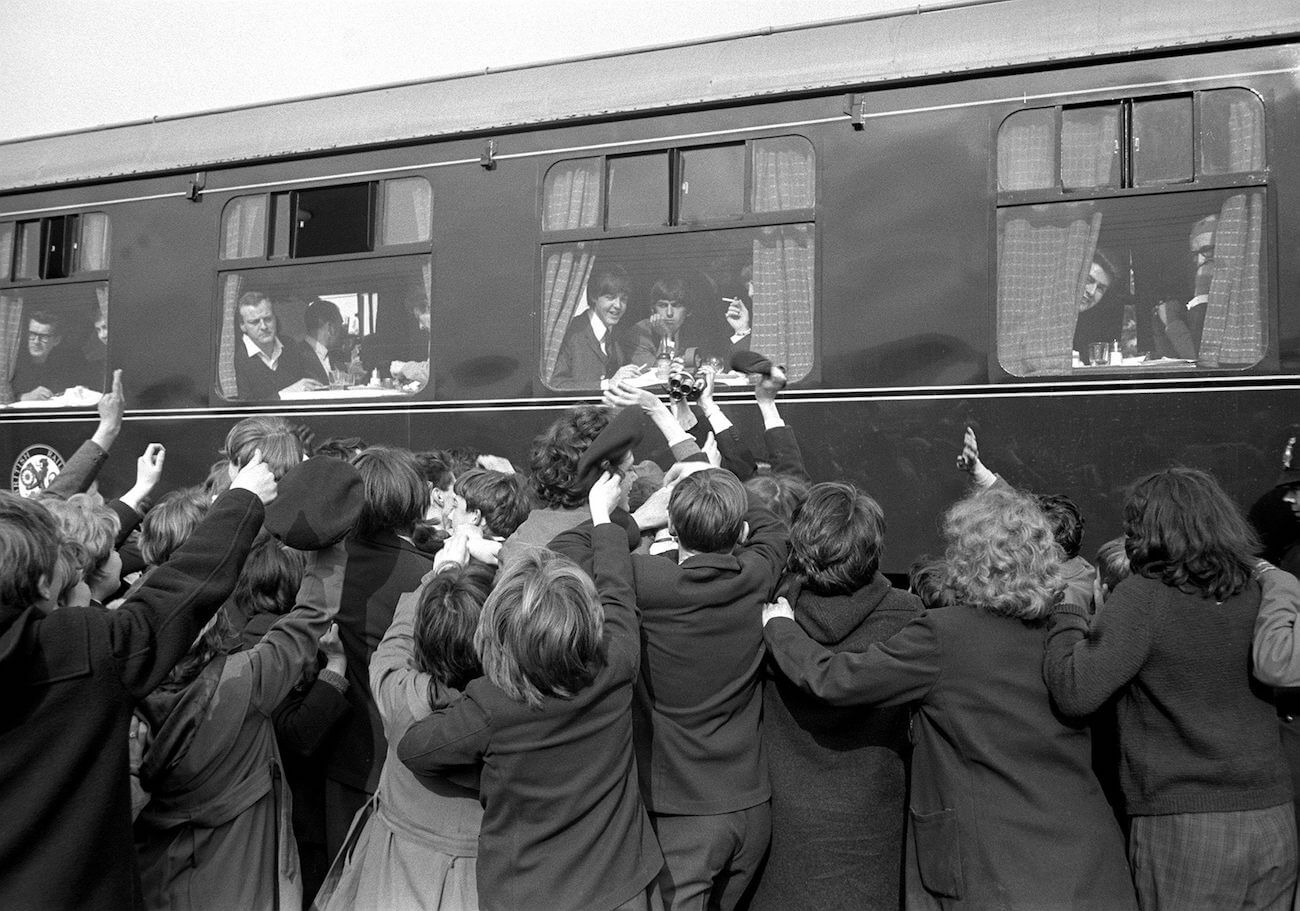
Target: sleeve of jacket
(783, 449)
(155, 627)
(1084, 666)
(78, 473)
(278, 661)
(449, 739)
(305, 716)
(1276, 651)
(128, 519)
(768, 541)
(737, 457)
(900, 670)
(612, 566)
(401, 691)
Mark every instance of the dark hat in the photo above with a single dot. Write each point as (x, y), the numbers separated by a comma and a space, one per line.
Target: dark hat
(751, 362)
(620, 435)
(318, 502)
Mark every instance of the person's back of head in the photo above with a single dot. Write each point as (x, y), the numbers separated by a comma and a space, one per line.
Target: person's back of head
(780, 494)
(320, 313)
(168, 525)
(85, 519)
(540, 631)
(837, 539)
(435, 466)
(499, 498)
(29, 548)
(70, 569)
(395, 492)
(218, 480)
(446, 621)
(270, 579)
(553, 458)
(1182, 529)
(925, 580)
(280, 446)
(706, 511)
(1001, 555)
(1067, 522)
(1112, 565)
(343, 448)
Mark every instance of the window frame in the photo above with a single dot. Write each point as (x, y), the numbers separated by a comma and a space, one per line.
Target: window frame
(1199, 184)
(810, 215)
(749, 218)
(75, 274)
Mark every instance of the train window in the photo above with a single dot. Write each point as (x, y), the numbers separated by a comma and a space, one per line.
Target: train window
(1027, 150)
(784, 176)
(92, 248)
(714, 292)
(408, 210)
(311, 331)
(1232, 132)
(281, 224)
(329, 221)
(55, 247)
(53, 342)
(243, 228)
(571, 195)
(638, 190)
(1137, 283)
(1095, 279)
(1090, 147)
(711, 183)
(1162, 141)
(27, 259)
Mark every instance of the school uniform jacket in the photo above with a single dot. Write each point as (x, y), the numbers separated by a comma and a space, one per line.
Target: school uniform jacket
(70, 680)
(699, 694)
(1005, 811)
(563, 823)
(581, 364)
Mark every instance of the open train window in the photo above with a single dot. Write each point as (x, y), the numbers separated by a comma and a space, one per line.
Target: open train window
(324, 330)
(59, 246)
(1131, 237)
(715, 292)
(327, 221)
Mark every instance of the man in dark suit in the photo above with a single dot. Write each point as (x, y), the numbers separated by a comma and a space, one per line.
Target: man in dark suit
(592, 350)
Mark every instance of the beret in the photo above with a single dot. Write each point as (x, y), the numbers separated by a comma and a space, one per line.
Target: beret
(751, 362)
(317, 504)
(620, 436)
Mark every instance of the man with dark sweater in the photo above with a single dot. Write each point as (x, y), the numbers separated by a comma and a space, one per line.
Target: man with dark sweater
(696, 717)
(71, 678)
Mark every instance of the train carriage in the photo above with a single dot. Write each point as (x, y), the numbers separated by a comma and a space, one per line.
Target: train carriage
(908, 208)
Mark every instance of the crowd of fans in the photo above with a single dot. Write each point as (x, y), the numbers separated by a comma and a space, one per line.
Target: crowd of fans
(649, 669)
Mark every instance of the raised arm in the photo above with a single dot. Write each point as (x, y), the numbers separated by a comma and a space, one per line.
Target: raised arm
(402, 693)
(305, 716)
(736, 455)
(612, 572)
(277, 662)
(782, 447)
(902, 669)
(82, 469)
(156, 626)
(1276, 651)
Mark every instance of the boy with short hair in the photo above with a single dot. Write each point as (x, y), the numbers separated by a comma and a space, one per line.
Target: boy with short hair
(494, 501)
(700, 758)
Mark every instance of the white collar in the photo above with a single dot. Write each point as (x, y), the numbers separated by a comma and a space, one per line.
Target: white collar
(269, 360)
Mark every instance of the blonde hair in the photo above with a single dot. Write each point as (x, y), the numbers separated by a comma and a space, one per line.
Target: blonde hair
(85, 519)
(1002, 556)
(540, 631)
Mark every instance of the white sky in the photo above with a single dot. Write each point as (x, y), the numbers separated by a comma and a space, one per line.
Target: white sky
(83, 63)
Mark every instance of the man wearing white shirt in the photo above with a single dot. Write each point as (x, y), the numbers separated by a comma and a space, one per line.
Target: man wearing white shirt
(265, 367)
